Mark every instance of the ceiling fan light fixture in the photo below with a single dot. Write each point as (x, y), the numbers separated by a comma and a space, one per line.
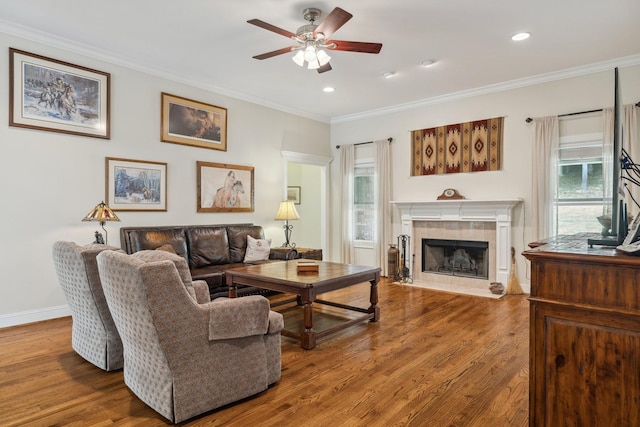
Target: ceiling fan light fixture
(313, 65)
(313, 38)
(310, 53)
(323, 57)
(298, 58)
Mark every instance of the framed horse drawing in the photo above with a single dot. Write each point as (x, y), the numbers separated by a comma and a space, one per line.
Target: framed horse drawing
(224, 188)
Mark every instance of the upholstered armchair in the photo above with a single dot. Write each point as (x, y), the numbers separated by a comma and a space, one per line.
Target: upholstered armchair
(93, 335)
(183, 358)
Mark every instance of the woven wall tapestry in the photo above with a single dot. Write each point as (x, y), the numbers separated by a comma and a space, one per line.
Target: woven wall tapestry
(463, 147)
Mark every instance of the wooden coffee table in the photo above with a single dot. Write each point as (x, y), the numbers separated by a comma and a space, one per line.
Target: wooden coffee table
(284, 277)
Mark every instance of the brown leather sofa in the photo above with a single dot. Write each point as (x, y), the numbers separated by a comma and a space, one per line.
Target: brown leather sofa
(210, 250)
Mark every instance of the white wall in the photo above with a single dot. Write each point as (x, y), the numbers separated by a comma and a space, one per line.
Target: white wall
(49, 181)
(575, 94)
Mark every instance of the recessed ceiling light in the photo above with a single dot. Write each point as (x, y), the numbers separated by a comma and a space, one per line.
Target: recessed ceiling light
(520, 36)
(328, 89)
(388, 74)
(428, 63)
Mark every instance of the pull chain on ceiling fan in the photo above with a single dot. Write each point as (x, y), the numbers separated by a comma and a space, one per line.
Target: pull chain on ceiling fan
(313, 39)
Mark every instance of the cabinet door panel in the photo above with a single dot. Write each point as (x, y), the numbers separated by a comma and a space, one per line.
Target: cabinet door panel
(593, 374)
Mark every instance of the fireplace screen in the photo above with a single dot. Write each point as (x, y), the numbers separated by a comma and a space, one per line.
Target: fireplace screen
(455, 257)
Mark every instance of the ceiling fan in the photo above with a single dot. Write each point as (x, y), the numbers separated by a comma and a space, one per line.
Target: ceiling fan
(312, 39)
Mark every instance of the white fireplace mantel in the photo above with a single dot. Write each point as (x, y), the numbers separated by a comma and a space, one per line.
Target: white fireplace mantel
(495, 210)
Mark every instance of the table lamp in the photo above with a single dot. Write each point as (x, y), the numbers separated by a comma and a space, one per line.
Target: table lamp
(287, 212)
(101, 213)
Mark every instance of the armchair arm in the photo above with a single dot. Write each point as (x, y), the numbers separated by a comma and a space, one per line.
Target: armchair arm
(202, 291)
(276, 322)
(238, 317)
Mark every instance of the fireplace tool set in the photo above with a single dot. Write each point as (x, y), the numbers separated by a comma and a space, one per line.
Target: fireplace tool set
(404, 273)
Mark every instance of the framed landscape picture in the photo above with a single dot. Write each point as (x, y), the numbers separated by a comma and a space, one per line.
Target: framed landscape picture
(189, 122)
(224, 188)
(136, 185)
(57, 96)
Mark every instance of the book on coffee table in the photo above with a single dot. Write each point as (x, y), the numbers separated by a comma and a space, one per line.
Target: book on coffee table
(307, 266)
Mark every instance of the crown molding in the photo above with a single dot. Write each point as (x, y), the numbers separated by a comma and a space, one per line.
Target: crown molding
(103, 55)
(48, 39)
(598, 67)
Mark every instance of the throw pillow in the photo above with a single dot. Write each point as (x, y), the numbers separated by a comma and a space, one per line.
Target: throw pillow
(257, 249)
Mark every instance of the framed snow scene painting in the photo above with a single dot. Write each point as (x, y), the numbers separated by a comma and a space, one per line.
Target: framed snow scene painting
(136, 185)
(57, 96)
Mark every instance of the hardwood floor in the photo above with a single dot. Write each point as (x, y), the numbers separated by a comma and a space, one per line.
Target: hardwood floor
(434, 359)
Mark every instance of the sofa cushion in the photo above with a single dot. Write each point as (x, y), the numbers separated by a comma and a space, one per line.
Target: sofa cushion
(209, 246)
(257, 249)
(238, 240)
(140, 240)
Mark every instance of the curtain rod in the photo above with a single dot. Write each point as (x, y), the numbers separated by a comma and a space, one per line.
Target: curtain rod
(371, 142)
(529, 119)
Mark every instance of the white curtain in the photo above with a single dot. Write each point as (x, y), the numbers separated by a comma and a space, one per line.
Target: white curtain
(545, 172)
(607, 160)
(631, 143)
(347, 165)
(382, 203)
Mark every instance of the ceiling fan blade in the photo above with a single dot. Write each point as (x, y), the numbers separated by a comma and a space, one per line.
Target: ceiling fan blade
(275, 53)
(336, 19)
(270, 27)
(355, 46)
(324, 68)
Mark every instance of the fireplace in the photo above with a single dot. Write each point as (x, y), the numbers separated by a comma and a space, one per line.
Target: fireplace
(466, 220)
(468, 258)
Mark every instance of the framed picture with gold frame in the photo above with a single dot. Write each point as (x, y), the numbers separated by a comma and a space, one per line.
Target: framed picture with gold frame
(56, 96)
(188, 122)
(135, 185)
(224, 188)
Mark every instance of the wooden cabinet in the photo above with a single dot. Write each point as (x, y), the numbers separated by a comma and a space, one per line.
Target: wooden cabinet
(584, 336)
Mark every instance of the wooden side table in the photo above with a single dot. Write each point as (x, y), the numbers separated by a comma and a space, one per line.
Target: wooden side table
(309, 253)
(306, 253)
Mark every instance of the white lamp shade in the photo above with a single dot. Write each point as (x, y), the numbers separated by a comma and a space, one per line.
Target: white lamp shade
(313, 65)
(287, 211)
(310, 53)
(323, 58)
(298, 58)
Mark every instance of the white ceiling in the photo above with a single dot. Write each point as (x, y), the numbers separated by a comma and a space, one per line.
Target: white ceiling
(209, 44)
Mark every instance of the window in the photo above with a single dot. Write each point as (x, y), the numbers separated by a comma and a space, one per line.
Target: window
(579, 195)
(363, 203)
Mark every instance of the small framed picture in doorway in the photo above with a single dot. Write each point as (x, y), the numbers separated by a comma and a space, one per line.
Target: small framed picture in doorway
(293, 194)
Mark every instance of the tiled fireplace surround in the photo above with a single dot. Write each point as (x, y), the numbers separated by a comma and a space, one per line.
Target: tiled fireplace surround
(481, 220)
